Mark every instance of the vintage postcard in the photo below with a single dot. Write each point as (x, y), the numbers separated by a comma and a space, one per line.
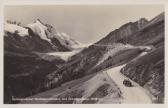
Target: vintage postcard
(84, 54)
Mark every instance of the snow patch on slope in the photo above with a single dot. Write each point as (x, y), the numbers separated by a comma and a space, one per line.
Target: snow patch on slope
(65, 40)
(64, 55)
(12, 28)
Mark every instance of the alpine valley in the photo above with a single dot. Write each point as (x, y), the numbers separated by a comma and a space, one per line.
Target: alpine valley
(46, 66)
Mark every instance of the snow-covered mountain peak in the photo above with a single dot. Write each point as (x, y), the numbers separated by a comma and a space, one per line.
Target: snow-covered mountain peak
(39, 29)
(49, 33)
(56, 39)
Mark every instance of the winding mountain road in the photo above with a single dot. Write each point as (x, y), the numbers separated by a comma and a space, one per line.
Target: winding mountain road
(135, 94)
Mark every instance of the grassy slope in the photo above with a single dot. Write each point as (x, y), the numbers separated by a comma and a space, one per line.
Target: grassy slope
(24, 75)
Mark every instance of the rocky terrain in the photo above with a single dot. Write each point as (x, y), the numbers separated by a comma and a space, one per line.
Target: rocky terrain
(87, 76)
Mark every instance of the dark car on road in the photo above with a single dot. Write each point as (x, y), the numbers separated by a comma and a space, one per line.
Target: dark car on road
(127, 83)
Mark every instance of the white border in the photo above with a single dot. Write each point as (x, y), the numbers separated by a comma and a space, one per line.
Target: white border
(89, 2)
(82, 2)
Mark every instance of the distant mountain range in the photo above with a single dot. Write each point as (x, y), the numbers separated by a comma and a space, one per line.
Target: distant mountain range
(29, 69)
(37, 36)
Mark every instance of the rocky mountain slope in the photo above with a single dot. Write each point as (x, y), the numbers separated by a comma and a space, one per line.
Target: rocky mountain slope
(122, 34)
(148, 70)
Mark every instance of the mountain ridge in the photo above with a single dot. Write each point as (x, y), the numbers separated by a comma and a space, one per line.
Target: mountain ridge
(43, 33)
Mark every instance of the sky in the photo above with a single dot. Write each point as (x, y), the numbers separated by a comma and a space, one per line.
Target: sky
(85, 23)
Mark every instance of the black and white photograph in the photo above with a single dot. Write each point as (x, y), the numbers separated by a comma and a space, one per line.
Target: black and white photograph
(84, 54)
